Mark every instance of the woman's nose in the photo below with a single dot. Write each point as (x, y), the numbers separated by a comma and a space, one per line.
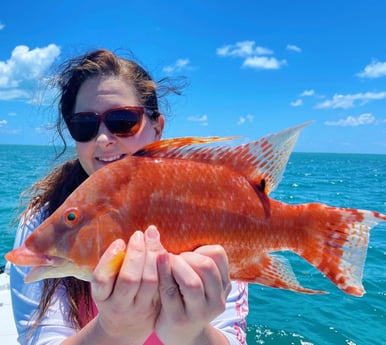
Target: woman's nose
(104, 136)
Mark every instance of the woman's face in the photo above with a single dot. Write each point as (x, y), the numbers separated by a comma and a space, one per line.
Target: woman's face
(98, 95)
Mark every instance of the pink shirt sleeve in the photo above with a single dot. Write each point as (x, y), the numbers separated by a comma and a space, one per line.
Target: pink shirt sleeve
(153, 340)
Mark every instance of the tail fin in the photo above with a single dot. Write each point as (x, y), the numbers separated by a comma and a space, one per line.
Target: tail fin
(339, 243)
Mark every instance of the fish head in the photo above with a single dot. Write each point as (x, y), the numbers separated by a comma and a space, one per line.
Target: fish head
(71, 241)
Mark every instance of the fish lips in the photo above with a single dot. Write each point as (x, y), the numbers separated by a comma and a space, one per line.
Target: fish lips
(44, 265)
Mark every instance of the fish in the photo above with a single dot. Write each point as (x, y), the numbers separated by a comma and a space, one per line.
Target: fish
(200, 191)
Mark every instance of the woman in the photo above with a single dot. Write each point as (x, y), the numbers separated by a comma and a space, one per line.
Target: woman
(110, 107)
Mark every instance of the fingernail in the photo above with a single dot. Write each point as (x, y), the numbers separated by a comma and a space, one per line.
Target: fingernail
(118, 246)
(137, 236)
(152, 233)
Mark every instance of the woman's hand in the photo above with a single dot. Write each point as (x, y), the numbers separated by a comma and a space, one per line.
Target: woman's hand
(128, 301)
(193, 291)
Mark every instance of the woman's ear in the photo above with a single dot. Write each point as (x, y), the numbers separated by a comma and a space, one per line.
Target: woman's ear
(159, 127)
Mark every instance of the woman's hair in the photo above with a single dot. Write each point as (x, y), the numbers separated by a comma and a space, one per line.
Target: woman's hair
(104, 63)
(52, 190)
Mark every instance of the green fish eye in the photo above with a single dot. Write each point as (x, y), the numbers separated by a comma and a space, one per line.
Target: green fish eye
(71, 216)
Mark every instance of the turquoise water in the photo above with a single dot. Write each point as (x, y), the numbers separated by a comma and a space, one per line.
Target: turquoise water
(276, 316)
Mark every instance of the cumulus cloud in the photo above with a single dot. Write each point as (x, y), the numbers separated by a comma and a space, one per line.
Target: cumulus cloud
(243, 49)
(179, 65)
(351, 121)
(2, 26)
(4, 128)
(307, 93)
(297, 103)
(23, 68)
(293, 48)
(375, 69)
(7, 95)
(43, 129)
(201, 120)
(263, 62)
(244, 119)
(350, 100)
(254, 56)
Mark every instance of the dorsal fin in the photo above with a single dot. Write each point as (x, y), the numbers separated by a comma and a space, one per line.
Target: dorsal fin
(175, 147)
(262, 161)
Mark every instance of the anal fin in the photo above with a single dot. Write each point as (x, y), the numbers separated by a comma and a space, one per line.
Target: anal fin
(274, 271)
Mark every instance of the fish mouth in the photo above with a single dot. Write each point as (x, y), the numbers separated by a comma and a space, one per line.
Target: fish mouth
(23, 256)
(44, 266)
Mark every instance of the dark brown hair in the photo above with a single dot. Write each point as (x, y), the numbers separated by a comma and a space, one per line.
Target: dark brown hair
(59, 184)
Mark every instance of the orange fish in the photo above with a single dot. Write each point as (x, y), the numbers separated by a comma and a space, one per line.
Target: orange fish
(198, 194)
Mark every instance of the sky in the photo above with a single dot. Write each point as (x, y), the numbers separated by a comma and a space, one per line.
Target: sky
(251, 68)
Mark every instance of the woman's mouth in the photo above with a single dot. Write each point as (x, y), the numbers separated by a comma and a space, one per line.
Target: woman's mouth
(109, 159)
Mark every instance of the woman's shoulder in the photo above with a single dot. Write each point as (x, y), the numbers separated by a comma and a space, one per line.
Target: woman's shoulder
(29, 222)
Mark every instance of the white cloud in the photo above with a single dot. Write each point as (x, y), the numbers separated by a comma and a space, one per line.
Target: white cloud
(243, 49)
(7, 131)
(293, 48)
(43, 129)
(24, 68)
(254, 56)
(2, 26)
(179, 65)
(307, 93)
(375, 69)
(8, 95)
(4, 129)
(297, 103)
(349, 101)
(201, 120)
(244, 119)
(363, 119)
(263, 62)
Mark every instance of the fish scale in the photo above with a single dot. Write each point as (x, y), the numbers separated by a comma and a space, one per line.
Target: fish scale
(209, 194)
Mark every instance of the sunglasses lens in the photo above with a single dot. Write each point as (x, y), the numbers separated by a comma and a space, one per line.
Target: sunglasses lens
(123, 122)
(83, 127)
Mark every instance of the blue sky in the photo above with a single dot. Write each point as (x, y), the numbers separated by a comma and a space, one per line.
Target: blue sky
(253, 67)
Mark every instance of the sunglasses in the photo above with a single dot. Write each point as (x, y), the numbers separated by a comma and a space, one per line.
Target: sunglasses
(122, 122)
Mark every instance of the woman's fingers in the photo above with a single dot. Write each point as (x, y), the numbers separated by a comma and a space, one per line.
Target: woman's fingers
(193, 290)
(130, 275)
(218, 255)
(106, 271)
(128, 299)
(149, 285)
(172, 303)
(203, 289)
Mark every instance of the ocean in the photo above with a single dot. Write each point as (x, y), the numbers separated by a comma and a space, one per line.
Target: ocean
(276, 316)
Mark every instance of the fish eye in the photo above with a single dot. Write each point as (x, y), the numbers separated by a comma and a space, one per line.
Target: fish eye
(71, 216)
